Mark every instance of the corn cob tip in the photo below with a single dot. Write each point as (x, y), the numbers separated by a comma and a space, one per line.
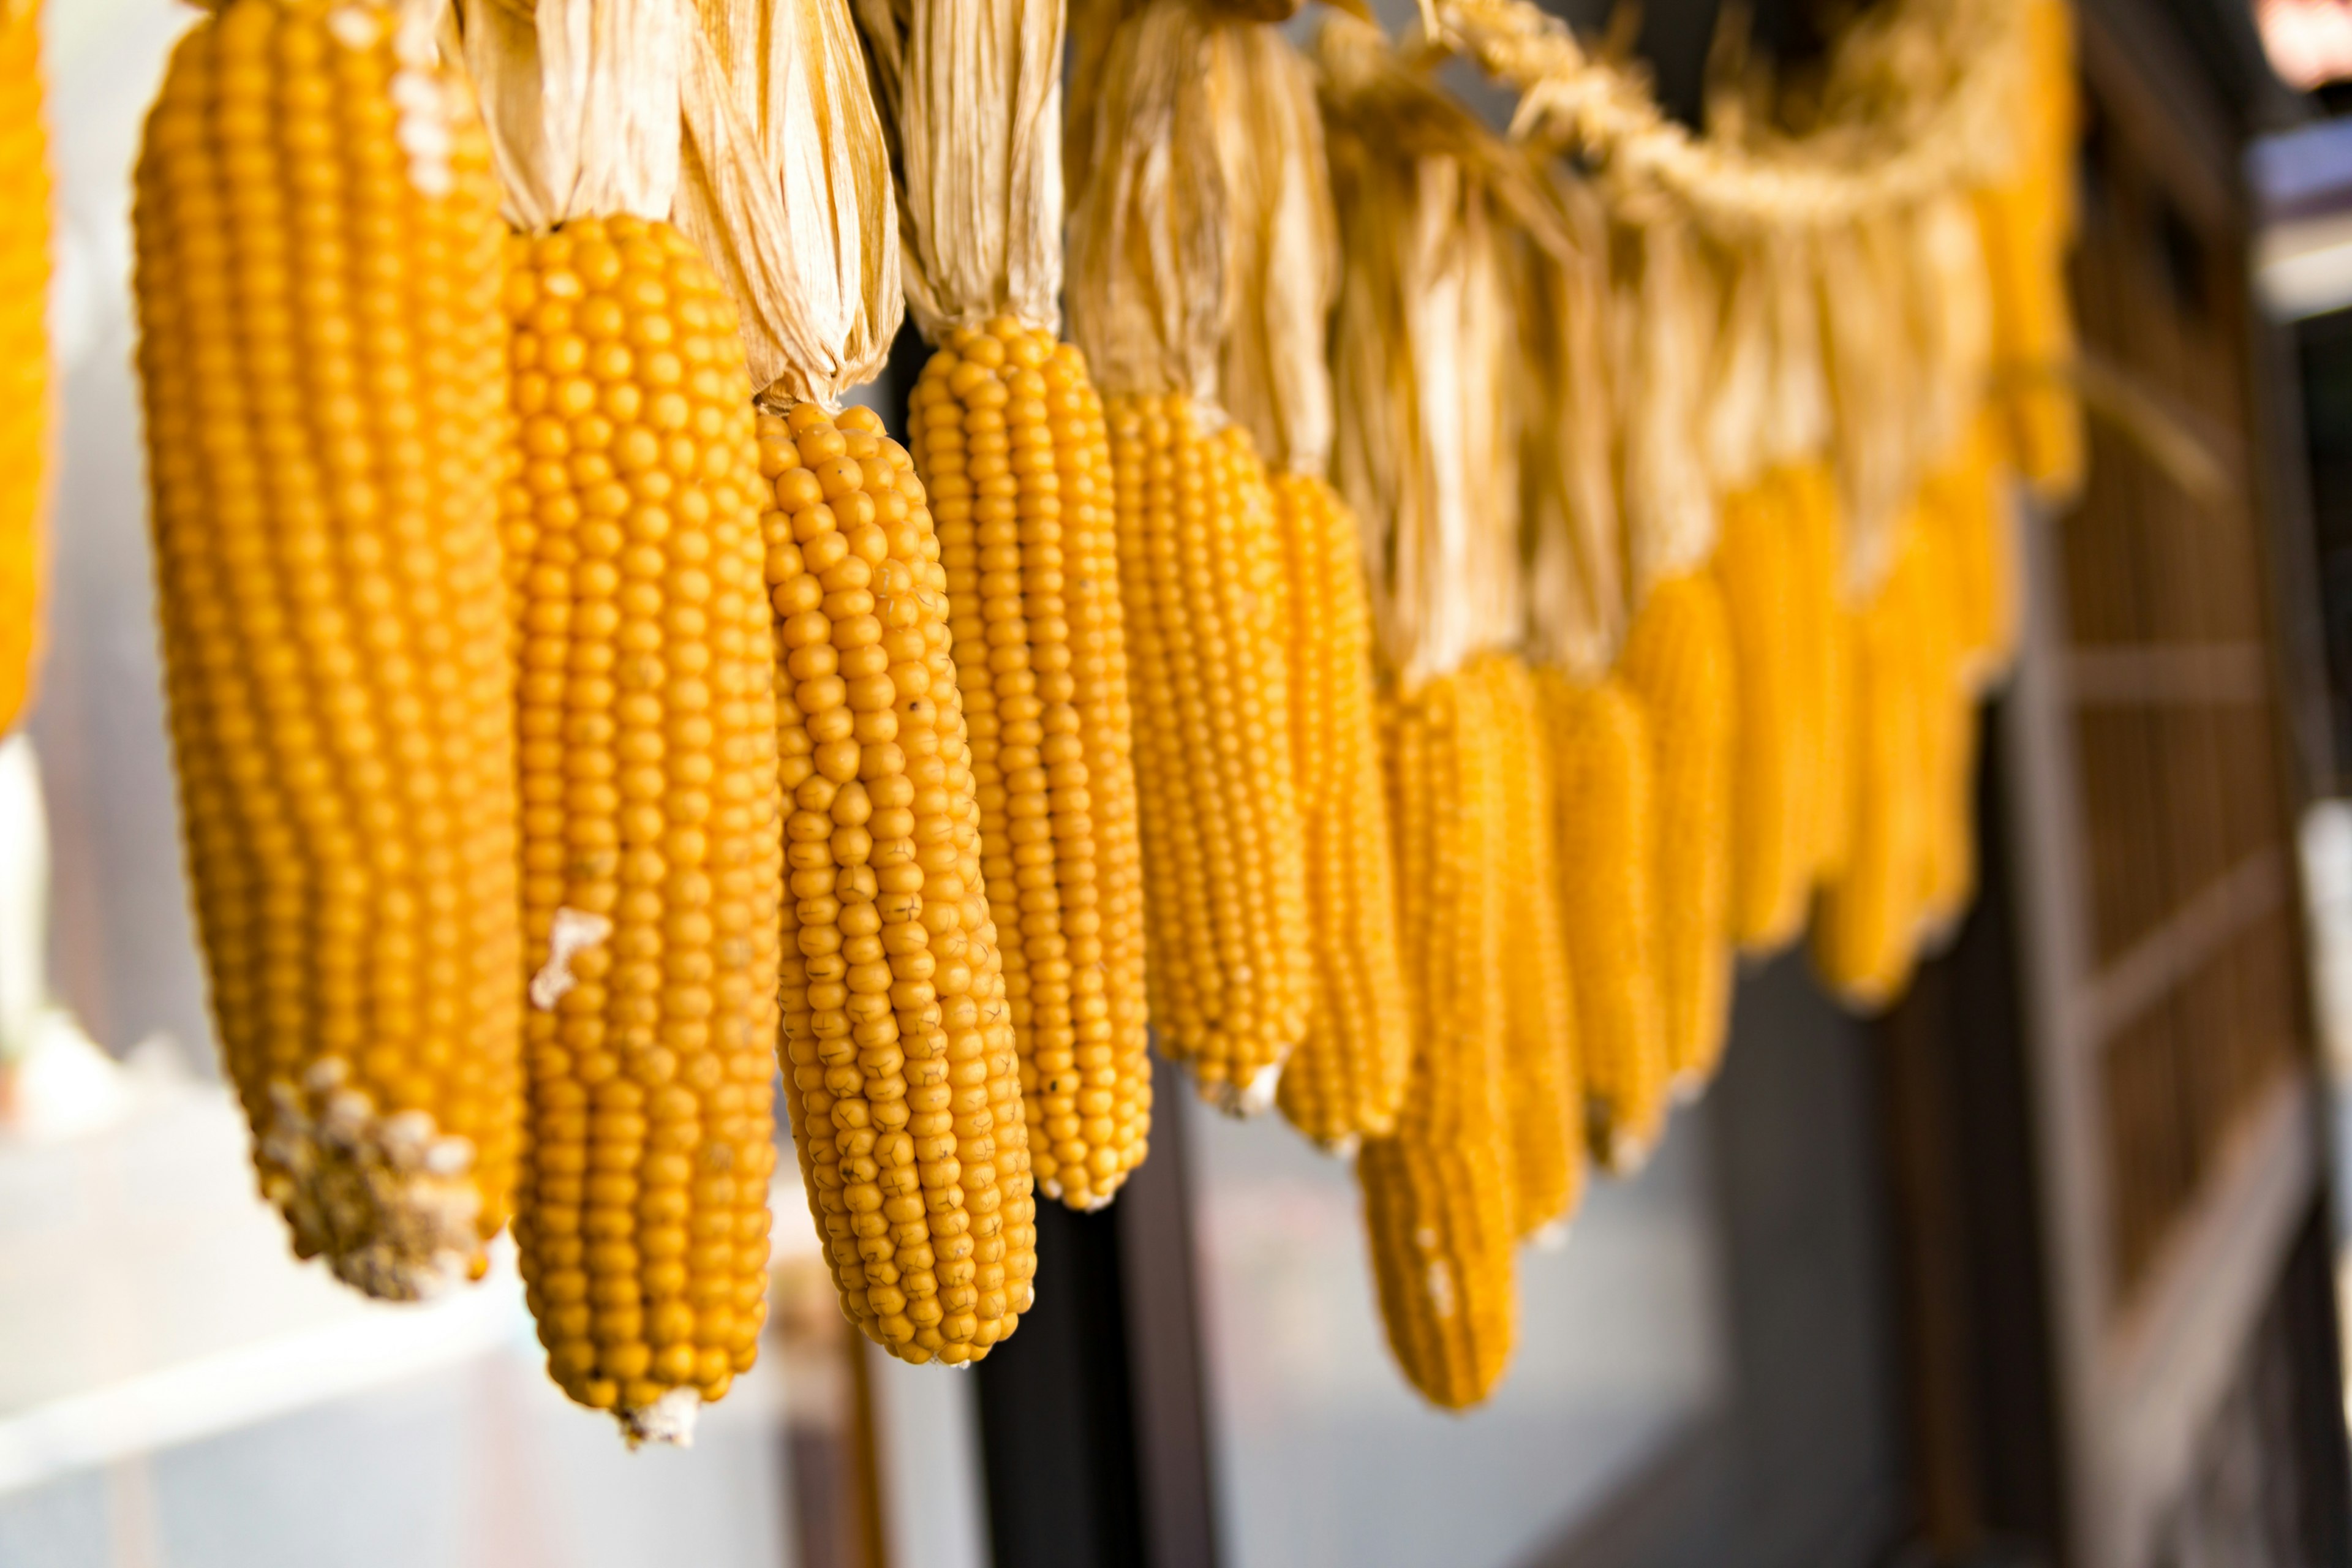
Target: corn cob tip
(389, 1199)
(1243, 1100)
(669, 1420)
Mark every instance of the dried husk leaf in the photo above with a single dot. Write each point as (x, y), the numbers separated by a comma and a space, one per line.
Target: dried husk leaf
(785, 186)
(971, 90)
(1664, 329)
(1427, 450)
(1861, 288)
(1739, 384)
(1951, 299)
(582, 101)
(1576, 579)
(1146, 293)
(1282, 266)
(1797, 418)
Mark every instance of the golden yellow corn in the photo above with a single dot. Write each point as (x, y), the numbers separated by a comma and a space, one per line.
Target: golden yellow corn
(1820, 631)
(1605, 803)
(651, 856)
(1866, 924)
(1967, 500)
(1008, 436)
(324, 360)
(1756, 563)
(901, 1074)
(1224, 871)
(1346, 1079)
(1543, 1082)
(1677, 662)
(1437, 1193)
(1946, 706)
(24, 402)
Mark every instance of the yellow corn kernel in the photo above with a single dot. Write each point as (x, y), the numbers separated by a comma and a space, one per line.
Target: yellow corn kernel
(1820, 630)
(1945, 761)
(323, 362)
(1437, 1193)
(1000, 430)
(651, 856)
(901, 1074)
(1967, 500)
(1347, 1077)
(1543, 1081)
(1604, 801)
(1756, 563)
(25, 402)
(1866, 924)
(1677, 662)
(1224, 873)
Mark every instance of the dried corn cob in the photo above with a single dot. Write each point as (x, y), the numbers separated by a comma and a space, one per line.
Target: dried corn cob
(1820, 630)
(25, 400)
(1347, 1078)
(650, 848)
(1946, 760)
(1007, 433)
(1756, 564)
(1968, 501)
(1437, 1193)
(1866, 925)
(1677, 663)
(1542, 1076)
(1224, 877)
(904, 1082)
(1602, 773)
(321, 352)
(1344, 1081)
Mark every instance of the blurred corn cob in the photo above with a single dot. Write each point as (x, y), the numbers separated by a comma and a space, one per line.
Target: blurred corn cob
(1200, 567)
(1009, 436)
(1345, 1081)
(25, 403)
(1756, 565)
(1822, 630)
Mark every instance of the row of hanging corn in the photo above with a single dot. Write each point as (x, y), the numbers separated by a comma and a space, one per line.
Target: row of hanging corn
(1480, 601)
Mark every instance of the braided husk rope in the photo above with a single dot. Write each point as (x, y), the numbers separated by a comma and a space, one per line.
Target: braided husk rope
(1915, 106)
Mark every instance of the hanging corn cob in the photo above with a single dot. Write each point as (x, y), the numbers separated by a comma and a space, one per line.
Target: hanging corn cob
(2027, 222)
(321, 351)
(1345, 1081)
(1597, 746)
(902, 1077)
(1009, 438)
(1677, 659)
(24, 399)
(1486, 1145)
(1946, 759)
(1200, 567)
(1809, 491)
(649, 726)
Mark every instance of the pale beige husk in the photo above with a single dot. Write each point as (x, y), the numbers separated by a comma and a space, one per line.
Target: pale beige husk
(1576, 577)
(1147, 267)
(1739, 377)
(1426, 445)
(971, 91)
(785, 184)
(1797, 413)
(1663, 330)
(582, 101)
(1283, 252)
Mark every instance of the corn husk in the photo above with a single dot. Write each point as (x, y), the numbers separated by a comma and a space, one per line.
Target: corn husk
(1740, 381)
(1797, 411)
(1147, 265)
(1576, 577)
(1663, 330)
(972, 91)
(785, 184)
(1860, 288)
(1426, 449)
(582, 101)
(1283, 252)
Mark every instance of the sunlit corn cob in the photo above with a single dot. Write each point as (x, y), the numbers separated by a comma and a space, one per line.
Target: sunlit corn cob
(1820, 631)
(651, 860)
(24, 402)
(901, 1074)
(1677, 662)
(1007, 434)
(1543, 1083)
(1344, 1081)
(1946, 759)
(1756, 563)
(1604, 798)
(1968, 500)
(1866, 924)
(323, 355)
(1224, 873)
(1437, 1193)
